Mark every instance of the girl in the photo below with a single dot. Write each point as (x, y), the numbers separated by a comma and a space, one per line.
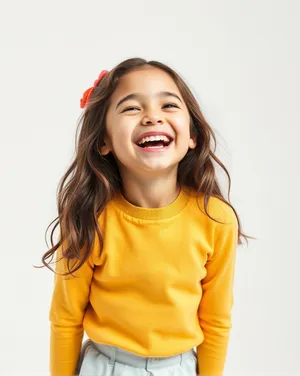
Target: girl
(147, 245)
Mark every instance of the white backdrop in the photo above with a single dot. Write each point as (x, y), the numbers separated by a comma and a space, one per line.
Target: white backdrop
(241, 59)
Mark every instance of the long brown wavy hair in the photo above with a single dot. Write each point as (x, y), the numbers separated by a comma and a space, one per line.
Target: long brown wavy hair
(93, 179)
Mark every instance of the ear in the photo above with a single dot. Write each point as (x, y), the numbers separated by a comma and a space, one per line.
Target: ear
(193, 142)
(106, 147)
(104, 150)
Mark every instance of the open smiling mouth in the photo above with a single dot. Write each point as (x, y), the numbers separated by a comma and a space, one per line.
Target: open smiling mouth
(148, 144)
(154, 144)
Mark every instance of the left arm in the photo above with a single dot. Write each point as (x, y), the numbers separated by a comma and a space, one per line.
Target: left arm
(217, 299)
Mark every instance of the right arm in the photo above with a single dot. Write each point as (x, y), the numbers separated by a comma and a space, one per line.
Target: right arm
(69, 300)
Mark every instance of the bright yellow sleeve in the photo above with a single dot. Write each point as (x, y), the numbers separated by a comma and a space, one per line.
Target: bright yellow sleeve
(69, 300)
(217, 299)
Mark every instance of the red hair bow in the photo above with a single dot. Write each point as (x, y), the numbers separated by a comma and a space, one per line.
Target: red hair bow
(88, 92)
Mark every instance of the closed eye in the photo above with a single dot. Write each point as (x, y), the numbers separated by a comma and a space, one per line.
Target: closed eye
(168, 104)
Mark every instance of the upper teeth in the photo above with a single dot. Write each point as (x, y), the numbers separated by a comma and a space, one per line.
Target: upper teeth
(154, 138)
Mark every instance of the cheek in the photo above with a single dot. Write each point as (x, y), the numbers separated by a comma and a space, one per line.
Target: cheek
(122, 135)
(182, 124)
(122, 138)
(118, 130)
(183, 130)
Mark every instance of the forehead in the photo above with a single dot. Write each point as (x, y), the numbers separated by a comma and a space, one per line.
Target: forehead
(147, 81)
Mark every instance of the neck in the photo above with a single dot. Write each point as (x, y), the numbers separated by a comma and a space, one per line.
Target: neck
(151, 192)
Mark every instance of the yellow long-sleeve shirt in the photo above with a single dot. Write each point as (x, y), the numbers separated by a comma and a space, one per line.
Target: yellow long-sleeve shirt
(162, 285)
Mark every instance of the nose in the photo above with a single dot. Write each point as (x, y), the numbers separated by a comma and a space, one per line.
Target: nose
(152, 120)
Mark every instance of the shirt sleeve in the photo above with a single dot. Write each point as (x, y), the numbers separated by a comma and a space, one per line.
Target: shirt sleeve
(217, 298)
(69, 301)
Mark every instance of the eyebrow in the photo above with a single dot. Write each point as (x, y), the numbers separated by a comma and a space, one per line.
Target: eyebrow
(139, 95)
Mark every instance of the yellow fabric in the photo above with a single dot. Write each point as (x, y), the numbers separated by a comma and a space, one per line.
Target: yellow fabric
(162, 285)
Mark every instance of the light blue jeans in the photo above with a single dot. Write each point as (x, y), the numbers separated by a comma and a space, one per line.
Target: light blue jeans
(104, 360)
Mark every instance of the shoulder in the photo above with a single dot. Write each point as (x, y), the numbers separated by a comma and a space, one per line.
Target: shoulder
(218, 209)
(222, 210)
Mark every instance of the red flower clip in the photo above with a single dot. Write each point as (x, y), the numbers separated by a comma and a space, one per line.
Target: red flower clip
(88, 92)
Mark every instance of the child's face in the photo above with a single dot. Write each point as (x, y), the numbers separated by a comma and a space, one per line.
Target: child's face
(149, 112)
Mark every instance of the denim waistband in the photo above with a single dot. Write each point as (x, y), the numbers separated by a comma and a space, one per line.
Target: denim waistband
(116, 354)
